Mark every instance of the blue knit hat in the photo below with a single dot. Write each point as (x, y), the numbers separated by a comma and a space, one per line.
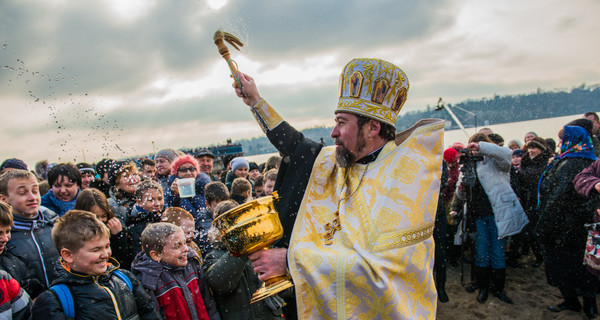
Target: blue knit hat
(13, 163)
(238, 163)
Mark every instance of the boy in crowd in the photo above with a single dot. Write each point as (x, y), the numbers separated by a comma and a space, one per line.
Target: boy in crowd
(241, 190)
(150, 204)
(214, 192)
(31, 233)
(269, 182)
(258, 186)
(172, 273)
(12, 264)
(148, 169)
(233, 281)
(97, 288)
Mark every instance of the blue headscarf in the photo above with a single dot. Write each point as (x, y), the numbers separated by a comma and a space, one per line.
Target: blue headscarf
(576, 143)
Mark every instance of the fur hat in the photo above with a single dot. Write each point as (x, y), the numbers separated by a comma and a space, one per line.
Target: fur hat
(537, 142)
(13, 163)
(179, 161)
(167, 154)
(238, 163)
(373, 88)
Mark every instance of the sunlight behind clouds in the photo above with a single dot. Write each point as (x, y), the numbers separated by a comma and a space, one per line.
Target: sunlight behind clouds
(130, 9)
(216, 4)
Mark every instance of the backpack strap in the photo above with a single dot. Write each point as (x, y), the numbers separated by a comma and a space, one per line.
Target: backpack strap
(125, 279)
(65, 296)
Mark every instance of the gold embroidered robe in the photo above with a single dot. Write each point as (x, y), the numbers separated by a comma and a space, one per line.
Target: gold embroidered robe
(380, 264)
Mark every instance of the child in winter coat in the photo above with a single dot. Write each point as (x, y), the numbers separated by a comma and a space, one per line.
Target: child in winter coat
(98, 289)
(233, 281)
(149, 206)
(31, 238)
(172, 274)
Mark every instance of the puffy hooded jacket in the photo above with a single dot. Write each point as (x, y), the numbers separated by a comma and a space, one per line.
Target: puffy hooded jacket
(104, 296)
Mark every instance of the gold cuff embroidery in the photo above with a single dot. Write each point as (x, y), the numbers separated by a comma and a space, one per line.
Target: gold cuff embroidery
(266, 116)
(404, 238)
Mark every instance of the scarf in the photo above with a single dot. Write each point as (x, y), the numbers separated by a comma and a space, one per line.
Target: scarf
(576, 143)
(62, 206)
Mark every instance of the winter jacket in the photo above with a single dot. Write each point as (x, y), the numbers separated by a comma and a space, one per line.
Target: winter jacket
(529, 175)
(493, 173)
(585, 181)
(563, 211)
(14, 301)
(181, 292)
(32, 241)
(121, 204)
(120, 245)
(230, 176)
(97, 297)
(136, 223)
(195, 205)
(50, 201)
(20, 271)
(233, 281)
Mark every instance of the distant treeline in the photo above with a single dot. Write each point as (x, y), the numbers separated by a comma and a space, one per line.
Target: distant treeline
(496, 110)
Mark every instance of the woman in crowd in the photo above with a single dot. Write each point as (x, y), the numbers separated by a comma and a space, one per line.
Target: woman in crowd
(563, 214)
(497, 213)
(65, 183)
(532, 166)
(187, 167)
(94, 200)
(124, 178)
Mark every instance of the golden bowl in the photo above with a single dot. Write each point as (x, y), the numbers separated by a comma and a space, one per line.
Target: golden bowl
(251, 226)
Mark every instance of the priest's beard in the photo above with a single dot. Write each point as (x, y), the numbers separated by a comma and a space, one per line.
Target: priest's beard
(344, 158)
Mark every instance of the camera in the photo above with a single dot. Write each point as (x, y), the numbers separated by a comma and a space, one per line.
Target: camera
(467, 161)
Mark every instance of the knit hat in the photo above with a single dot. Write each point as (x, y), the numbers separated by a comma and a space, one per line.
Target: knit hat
(450, 155)
(13, 163)
(253, 166)
(458, 146)
(113, 171)
(102, 166)
(518, 153)
(86, 168)
(179, 161)
(167, 154)
(238, 163)
(204, 153)
(372, 88)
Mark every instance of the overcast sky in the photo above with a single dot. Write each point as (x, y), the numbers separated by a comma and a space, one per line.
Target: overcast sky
(106, 78)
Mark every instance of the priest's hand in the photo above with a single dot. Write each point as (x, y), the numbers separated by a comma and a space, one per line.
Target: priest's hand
(269, 263)
(249, 91)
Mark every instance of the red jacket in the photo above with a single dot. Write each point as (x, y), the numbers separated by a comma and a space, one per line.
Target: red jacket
(181, 292)
(14, 302)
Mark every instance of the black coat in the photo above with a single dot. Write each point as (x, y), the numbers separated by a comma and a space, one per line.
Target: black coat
(92, 301)
(560, 229)
(299, 155)
(529, 175)
(20, 271)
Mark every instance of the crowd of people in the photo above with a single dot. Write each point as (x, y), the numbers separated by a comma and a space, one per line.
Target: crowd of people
(134, 240)
(553, 197)
(119, 236)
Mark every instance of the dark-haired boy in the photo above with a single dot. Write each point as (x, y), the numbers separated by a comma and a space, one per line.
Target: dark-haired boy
(31, 233)
(97, 289)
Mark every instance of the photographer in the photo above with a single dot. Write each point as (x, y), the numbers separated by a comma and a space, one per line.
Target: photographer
(495, 209)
